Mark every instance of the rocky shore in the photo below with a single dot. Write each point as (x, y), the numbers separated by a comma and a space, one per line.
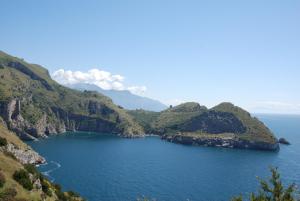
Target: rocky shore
(27, 156)
(230, 141)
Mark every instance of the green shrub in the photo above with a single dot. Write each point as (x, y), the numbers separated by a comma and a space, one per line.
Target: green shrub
(31, 168)
(22, 177)
(61, 196)
(272, 190)
(45, 186)
(2, 179)
(73, 194)
(3, 142)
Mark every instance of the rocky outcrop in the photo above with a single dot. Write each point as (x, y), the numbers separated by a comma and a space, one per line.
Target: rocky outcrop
(283, 141)
(226, 142)
(27, 156)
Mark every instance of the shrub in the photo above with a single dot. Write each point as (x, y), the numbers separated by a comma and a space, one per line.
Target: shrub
(272, 190)
(3, 142)
(73, 194)
(2, 179)
(46, 186)
(8, 194)
(22, 177)
(61, 196)
(31, 168)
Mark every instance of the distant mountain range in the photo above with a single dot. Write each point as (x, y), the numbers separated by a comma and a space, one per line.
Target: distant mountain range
(124, 98)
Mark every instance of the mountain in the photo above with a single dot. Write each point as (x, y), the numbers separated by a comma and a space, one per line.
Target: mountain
(124, 98)
(224, 125)
(34, 105)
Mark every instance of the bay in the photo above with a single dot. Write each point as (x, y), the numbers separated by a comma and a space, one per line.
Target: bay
(104, 167)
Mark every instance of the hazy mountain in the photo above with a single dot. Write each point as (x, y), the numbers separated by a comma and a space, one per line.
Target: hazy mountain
(124, 98)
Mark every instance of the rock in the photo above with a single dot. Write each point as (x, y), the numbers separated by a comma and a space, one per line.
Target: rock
(27, 156)
(283, 141)
(37, 184)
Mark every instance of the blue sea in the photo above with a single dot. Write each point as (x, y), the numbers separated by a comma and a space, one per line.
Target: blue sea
(103, 167)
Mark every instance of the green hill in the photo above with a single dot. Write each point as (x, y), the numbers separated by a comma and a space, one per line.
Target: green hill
(34, 105)
(223, 125)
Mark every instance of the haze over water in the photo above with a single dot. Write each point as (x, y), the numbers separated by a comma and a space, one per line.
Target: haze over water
(110, 168)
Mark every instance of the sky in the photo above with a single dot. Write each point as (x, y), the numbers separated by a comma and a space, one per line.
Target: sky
(244, 52)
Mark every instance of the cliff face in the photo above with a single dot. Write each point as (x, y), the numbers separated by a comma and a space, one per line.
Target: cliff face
(33, 105)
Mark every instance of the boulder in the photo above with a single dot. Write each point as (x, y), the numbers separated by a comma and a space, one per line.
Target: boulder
(283, 141)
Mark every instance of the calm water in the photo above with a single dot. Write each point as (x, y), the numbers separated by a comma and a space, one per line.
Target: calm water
(109, 168)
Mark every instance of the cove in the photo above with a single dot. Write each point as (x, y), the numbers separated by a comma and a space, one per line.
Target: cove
(104, 167)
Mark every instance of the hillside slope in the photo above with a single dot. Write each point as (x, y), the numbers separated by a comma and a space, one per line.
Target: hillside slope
(225, 125)
(16, 157)
(124, 98)
(34, 105)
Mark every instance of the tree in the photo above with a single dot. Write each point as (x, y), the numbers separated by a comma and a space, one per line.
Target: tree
(272, 190)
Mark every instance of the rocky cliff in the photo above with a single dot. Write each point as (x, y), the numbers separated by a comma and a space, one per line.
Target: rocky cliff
(33, 105)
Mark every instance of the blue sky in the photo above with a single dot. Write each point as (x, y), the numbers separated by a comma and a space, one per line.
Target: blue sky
(245, 52)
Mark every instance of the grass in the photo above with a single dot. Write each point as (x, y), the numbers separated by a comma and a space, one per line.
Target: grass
(256, 130)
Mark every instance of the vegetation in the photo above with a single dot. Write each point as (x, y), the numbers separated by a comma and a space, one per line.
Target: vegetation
(193, 119)
(256, 130)
(2, 179)
(3, 142)
(8, 194)
(46, 186)
(41, 96)
(144, 118)
(23, 178)
(31, 169)
(273, 190)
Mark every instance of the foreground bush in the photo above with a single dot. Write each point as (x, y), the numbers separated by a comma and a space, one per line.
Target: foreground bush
(45, 186)
(272, 190)
(31, 169)
(22, 177)
(3, 142)
(2, 179)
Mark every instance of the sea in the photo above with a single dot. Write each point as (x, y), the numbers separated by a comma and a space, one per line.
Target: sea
(105, 167)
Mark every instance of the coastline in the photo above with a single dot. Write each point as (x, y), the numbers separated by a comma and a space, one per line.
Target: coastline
(230, 141)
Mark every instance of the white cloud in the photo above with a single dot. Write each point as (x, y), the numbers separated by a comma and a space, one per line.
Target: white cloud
(102, 79)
